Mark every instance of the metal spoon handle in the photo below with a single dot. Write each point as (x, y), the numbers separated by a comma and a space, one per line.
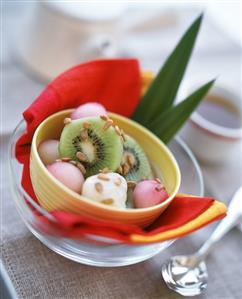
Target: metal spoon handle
(232, 218)
(225, 226)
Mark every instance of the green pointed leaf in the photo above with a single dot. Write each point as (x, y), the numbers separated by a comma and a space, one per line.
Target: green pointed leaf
(170, 121)
(162, 92)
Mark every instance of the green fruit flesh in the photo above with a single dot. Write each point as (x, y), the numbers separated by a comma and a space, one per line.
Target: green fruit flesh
(103, 148)
(141, 168)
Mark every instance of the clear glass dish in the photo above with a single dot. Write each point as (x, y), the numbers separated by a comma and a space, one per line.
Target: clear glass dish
(108, 255)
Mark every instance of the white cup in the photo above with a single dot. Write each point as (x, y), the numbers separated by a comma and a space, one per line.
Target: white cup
(57, 35)
(209, 141)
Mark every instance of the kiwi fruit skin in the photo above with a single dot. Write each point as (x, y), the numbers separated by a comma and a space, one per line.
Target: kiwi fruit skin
(102, 147)
(139, 168)
(130, 202)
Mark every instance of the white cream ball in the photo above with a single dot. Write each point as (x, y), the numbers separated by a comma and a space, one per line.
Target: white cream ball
(106, 188)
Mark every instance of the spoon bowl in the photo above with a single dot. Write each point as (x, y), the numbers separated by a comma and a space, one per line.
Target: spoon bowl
(187, 274)
(181, 276)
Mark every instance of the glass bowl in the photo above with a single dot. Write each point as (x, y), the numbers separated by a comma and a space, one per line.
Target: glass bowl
(112, 253)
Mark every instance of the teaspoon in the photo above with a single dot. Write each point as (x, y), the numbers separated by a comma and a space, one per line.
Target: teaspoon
(187, 274)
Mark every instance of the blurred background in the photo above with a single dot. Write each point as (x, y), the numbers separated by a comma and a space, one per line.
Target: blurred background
(43, 38)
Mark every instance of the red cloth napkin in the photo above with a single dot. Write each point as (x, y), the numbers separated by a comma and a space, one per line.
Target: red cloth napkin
(116, 84)
(181, 211)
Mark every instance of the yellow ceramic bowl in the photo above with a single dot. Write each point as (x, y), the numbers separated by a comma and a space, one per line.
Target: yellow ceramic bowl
(53, 195)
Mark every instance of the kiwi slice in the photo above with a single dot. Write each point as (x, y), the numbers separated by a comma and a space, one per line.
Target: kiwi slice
(135, 165)
(93, 143)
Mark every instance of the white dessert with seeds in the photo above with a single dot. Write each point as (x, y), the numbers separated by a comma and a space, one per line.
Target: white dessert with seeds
(106, 188)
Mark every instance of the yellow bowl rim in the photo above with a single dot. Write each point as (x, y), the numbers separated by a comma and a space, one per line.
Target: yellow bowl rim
(100, 205)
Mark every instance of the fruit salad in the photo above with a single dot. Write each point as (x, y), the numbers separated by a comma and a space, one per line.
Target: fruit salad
(97, 159)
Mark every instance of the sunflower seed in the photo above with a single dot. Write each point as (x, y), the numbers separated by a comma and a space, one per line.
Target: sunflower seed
(108, 124)
(126, 168)
(81, 157)
(67, 121)
(81, 167)
(66, 159)
(118, 182)
(131, 184)
(130, 160)
(123, 135)
(159, 188)
(158, 180)
(107, 201)
(99, 187)
(84, 134)
(105, 170)
(86, 125)
(103, 177)
(104, 117)
(120, 170)
(117, 130)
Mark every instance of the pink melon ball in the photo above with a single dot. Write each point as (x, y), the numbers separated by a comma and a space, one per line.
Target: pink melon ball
(48, 151)
(88, 109)
(149, 193)
(67, 174)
